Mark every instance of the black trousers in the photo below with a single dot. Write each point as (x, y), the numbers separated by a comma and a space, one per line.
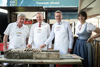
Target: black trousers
(39, 65)
(16, 65)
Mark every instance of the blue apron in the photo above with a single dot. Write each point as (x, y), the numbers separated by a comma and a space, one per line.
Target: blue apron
(83, 49)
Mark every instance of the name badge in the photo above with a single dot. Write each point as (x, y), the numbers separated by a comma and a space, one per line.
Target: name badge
(19, 33)
(58, 28)
(39, 30)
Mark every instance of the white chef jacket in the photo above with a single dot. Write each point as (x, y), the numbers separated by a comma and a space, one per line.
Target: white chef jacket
(17, 36)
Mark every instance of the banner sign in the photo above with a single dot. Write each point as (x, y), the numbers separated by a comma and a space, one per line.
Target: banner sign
(44, 3)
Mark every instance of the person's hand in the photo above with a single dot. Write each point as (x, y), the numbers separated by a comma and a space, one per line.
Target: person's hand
(29, 46)
(42, 46)
(69, 50)
(49, 49)
(5, 49)
(89, 39)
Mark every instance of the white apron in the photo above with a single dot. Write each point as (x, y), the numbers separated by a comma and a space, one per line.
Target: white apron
(40, 36)
(18, 39)
(61, 39)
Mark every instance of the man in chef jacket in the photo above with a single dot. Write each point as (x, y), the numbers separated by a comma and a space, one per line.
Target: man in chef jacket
(61, 30)
(18, 34)
(39, 33)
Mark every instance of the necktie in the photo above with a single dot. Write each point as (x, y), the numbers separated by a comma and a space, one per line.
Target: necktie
(39, 24)
(58, 23)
